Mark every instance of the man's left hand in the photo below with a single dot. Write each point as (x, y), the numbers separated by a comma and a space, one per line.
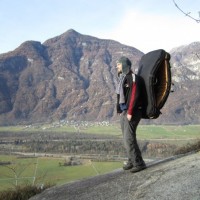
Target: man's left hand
(129, 117)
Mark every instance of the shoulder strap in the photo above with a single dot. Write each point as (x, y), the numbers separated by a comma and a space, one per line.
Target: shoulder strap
(133, 76)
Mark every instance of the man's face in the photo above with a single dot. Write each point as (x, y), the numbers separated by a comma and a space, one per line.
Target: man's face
(119, 67)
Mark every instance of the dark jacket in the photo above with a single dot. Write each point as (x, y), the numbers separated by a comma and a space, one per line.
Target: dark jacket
(134, 94)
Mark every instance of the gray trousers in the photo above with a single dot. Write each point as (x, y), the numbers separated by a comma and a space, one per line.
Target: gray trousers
(129, 137)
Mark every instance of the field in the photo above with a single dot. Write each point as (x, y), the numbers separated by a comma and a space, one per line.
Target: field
(40, 170)
(144, 131)
(179, 135)
(48, 170)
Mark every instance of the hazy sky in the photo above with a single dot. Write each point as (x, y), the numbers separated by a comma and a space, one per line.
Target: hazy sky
(143, 24)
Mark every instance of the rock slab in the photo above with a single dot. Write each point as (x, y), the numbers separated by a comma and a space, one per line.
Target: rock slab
(174, 178)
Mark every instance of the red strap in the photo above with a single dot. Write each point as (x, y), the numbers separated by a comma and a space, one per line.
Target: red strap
(132, 100)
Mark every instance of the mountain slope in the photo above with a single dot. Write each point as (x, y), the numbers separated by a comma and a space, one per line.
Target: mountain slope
(73, 77)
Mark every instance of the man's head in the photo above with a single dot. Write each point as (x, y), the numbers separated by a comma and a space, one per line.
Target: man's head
(123, 65)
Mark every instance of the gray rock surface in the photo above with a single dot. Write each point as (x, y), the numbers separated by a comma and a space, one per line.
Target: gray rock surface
(176, 178)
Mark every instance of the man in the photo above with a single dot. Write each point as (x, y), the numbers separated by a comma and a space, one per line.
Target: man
(129, 101)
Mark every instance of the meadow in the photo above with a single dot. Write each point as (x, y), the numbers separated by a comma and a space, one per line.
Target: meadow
(42, 170)
(47, 170)
(143, 132)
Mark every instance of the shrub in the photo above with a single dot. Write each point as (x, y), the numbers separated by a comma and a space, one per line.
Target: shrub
(22, 193)
(188, 148)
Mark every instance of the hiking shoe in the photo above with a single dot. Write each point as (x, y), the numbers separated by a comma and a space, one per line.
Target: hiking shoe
(138, 168)
(128, 166)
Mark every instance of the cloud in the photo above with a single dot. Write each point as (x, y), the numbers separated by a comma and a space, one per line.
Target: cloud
(148, 32)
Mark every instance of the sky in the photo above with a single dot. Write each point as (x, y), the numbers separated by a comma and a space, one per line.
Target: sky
(144, 24)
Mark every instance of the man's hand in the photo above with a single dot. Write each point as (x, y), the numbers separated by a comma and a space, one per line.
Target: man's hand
(129, 117)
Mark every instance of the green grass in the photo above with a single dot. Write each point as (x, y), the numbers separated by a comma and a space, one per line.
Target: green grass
(20, 168)
(49, 171)
(103, 130)
(144, 131)
(168, 132)
(36, 128)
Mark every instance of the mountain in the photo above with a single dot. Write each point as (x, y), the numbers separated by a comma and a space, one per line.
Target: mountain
(184, 104)
(73, 77)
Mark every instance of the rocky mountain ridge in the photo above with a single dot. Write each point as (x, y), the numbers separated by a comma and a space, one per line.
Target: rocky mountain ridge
(73, 77)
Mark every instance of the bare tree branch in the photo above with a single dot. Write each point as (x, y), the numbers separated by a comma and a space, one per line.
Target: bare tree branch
(186, 14)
